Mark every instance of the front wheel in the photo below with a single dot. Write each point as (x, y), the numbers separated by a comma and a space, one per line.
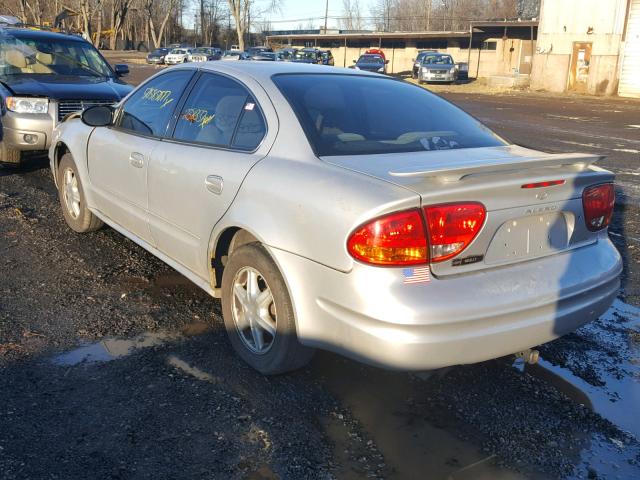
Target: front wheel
(72, 199)
(258, 314)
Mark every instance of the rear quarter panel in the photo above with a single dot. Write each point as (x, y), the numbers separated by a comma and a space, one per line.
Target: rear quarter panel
(309, 208)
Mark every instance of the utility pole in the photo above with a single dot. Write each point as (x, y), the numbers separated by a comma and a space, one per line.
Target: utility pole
(326, 15)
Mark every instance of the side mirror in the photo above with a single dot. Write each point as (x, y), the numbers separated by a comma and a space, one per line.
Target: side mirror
(386, 62)
(413, 59)
(122, 69)
(98, 116)
(354, 61)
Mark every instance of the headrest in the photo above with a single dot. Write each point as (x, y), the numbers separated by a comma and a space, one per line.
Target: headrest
(16, 59)
(227, 112)
(45, 58)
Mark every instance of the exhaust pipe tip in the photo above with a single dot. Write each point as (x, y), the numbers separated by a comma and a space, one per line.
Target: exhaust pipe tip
(530, 356)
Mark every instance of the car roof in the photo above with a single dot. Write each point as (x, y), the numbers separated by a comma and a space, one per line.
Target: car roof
(34, 34)
(263, 71)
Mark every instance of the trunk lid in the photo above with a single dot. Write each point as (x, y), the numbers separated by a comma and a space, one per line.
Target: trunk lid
(521, 223)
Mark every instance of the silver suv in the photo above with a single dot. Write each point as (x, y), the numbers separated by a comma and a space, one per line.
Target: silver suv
(44, 76)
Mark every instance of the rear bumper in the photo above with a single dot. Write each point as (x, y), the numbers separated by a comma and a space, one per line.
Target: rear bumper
(370, 315)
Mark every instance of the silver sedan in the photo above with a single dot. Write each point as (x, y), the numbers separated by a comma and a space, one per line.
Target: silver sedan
(347, 211)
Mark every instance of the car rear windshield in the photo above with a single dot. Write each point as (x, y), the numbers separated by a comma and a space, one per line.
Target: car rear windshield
(359, 115)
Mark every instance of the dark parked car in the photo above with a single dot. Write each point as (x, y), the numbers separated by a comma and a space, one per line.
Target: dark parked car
(371, 63)
(327, 58)
(287, 54)
(309, 55)
(44, 76)
(253, 51)
(157, 56)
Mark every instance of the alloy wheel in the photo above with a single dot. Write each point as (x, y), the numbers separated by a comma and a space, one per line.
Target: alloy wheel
(71, 192)
(254, 310)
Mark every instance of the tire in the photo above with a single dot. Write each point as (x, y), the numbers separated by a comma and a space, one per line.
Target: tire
(12, 157)
(72, 199)
(281, 351)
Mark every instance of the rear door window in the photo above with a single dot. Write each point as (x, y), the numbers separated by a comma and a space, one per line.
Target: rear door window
(220, 112)
(149, 109)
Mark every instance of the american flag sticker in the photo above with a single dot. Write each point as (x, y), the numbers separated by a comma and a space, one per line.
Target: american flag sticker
(416, 275)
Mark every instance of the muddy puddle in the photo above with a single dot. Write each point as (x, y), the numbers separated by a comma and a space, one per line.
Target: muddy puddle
(383, 402)
(114, 348)
(614, 387)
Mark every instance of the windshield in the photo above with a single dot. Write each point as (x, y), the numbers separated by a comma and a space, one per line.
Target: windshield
(232, 53)
(33, 56)
(160, 51)
(302, 55)
(178, 51)
(360, 115)
(370, 59)
(207, 51)
(437, 60)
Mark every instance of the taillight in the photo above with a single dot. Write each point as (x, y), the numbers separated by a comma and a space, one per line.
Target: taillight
(393, 240)
(452, 227)
(549, 183)
(598, 202)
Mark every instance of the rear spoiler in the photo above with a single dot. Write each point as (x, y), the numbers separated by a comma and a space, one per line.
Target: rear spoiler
(456, 172)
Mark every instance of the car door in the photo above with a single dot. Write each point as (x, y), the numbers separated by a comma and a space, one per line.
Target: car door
(217, 137)
(118, 156)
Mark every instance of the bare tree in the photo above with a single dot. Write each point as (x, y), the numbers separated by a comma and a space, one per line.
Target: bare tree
(242, 13)
(152, 9)
(351, 15)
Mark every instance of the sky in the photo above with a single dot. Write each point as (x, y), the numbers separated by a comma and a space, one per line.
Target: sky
(298, 12)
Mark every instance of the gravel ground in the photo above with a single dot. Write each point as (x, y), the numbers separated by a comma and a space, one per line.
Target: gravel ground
(183, 406)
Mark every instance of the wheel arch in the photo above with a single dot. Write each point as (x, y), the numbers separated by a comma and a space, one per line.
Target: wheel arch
(59, 151)
(222, 245)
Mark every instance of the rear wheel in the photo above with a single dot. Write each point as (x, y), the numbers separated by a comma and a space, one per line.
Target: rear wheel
(72, 199)
(258, 313)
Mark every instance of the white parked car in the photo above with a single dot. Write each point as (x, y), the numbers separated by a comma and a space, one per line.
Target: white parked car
(402, 239)
(177, 55)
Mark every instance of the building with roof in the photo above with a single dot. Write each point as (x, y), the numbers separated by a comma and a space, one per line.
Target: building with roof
(588, 46)
(489, 48)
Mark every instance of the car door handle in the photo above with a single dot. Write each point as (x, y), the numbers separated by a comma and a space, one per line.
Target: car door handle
(214, 184)
(136, 159)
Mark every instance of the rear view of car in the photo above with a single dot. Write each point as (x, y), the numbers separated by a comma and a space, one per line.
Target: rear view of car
(438, 244)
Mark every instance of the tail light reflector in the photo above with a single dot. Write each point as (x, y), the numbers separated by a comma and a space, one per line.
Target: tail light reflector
(598, 202)
(452, 227)
(397, 239)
